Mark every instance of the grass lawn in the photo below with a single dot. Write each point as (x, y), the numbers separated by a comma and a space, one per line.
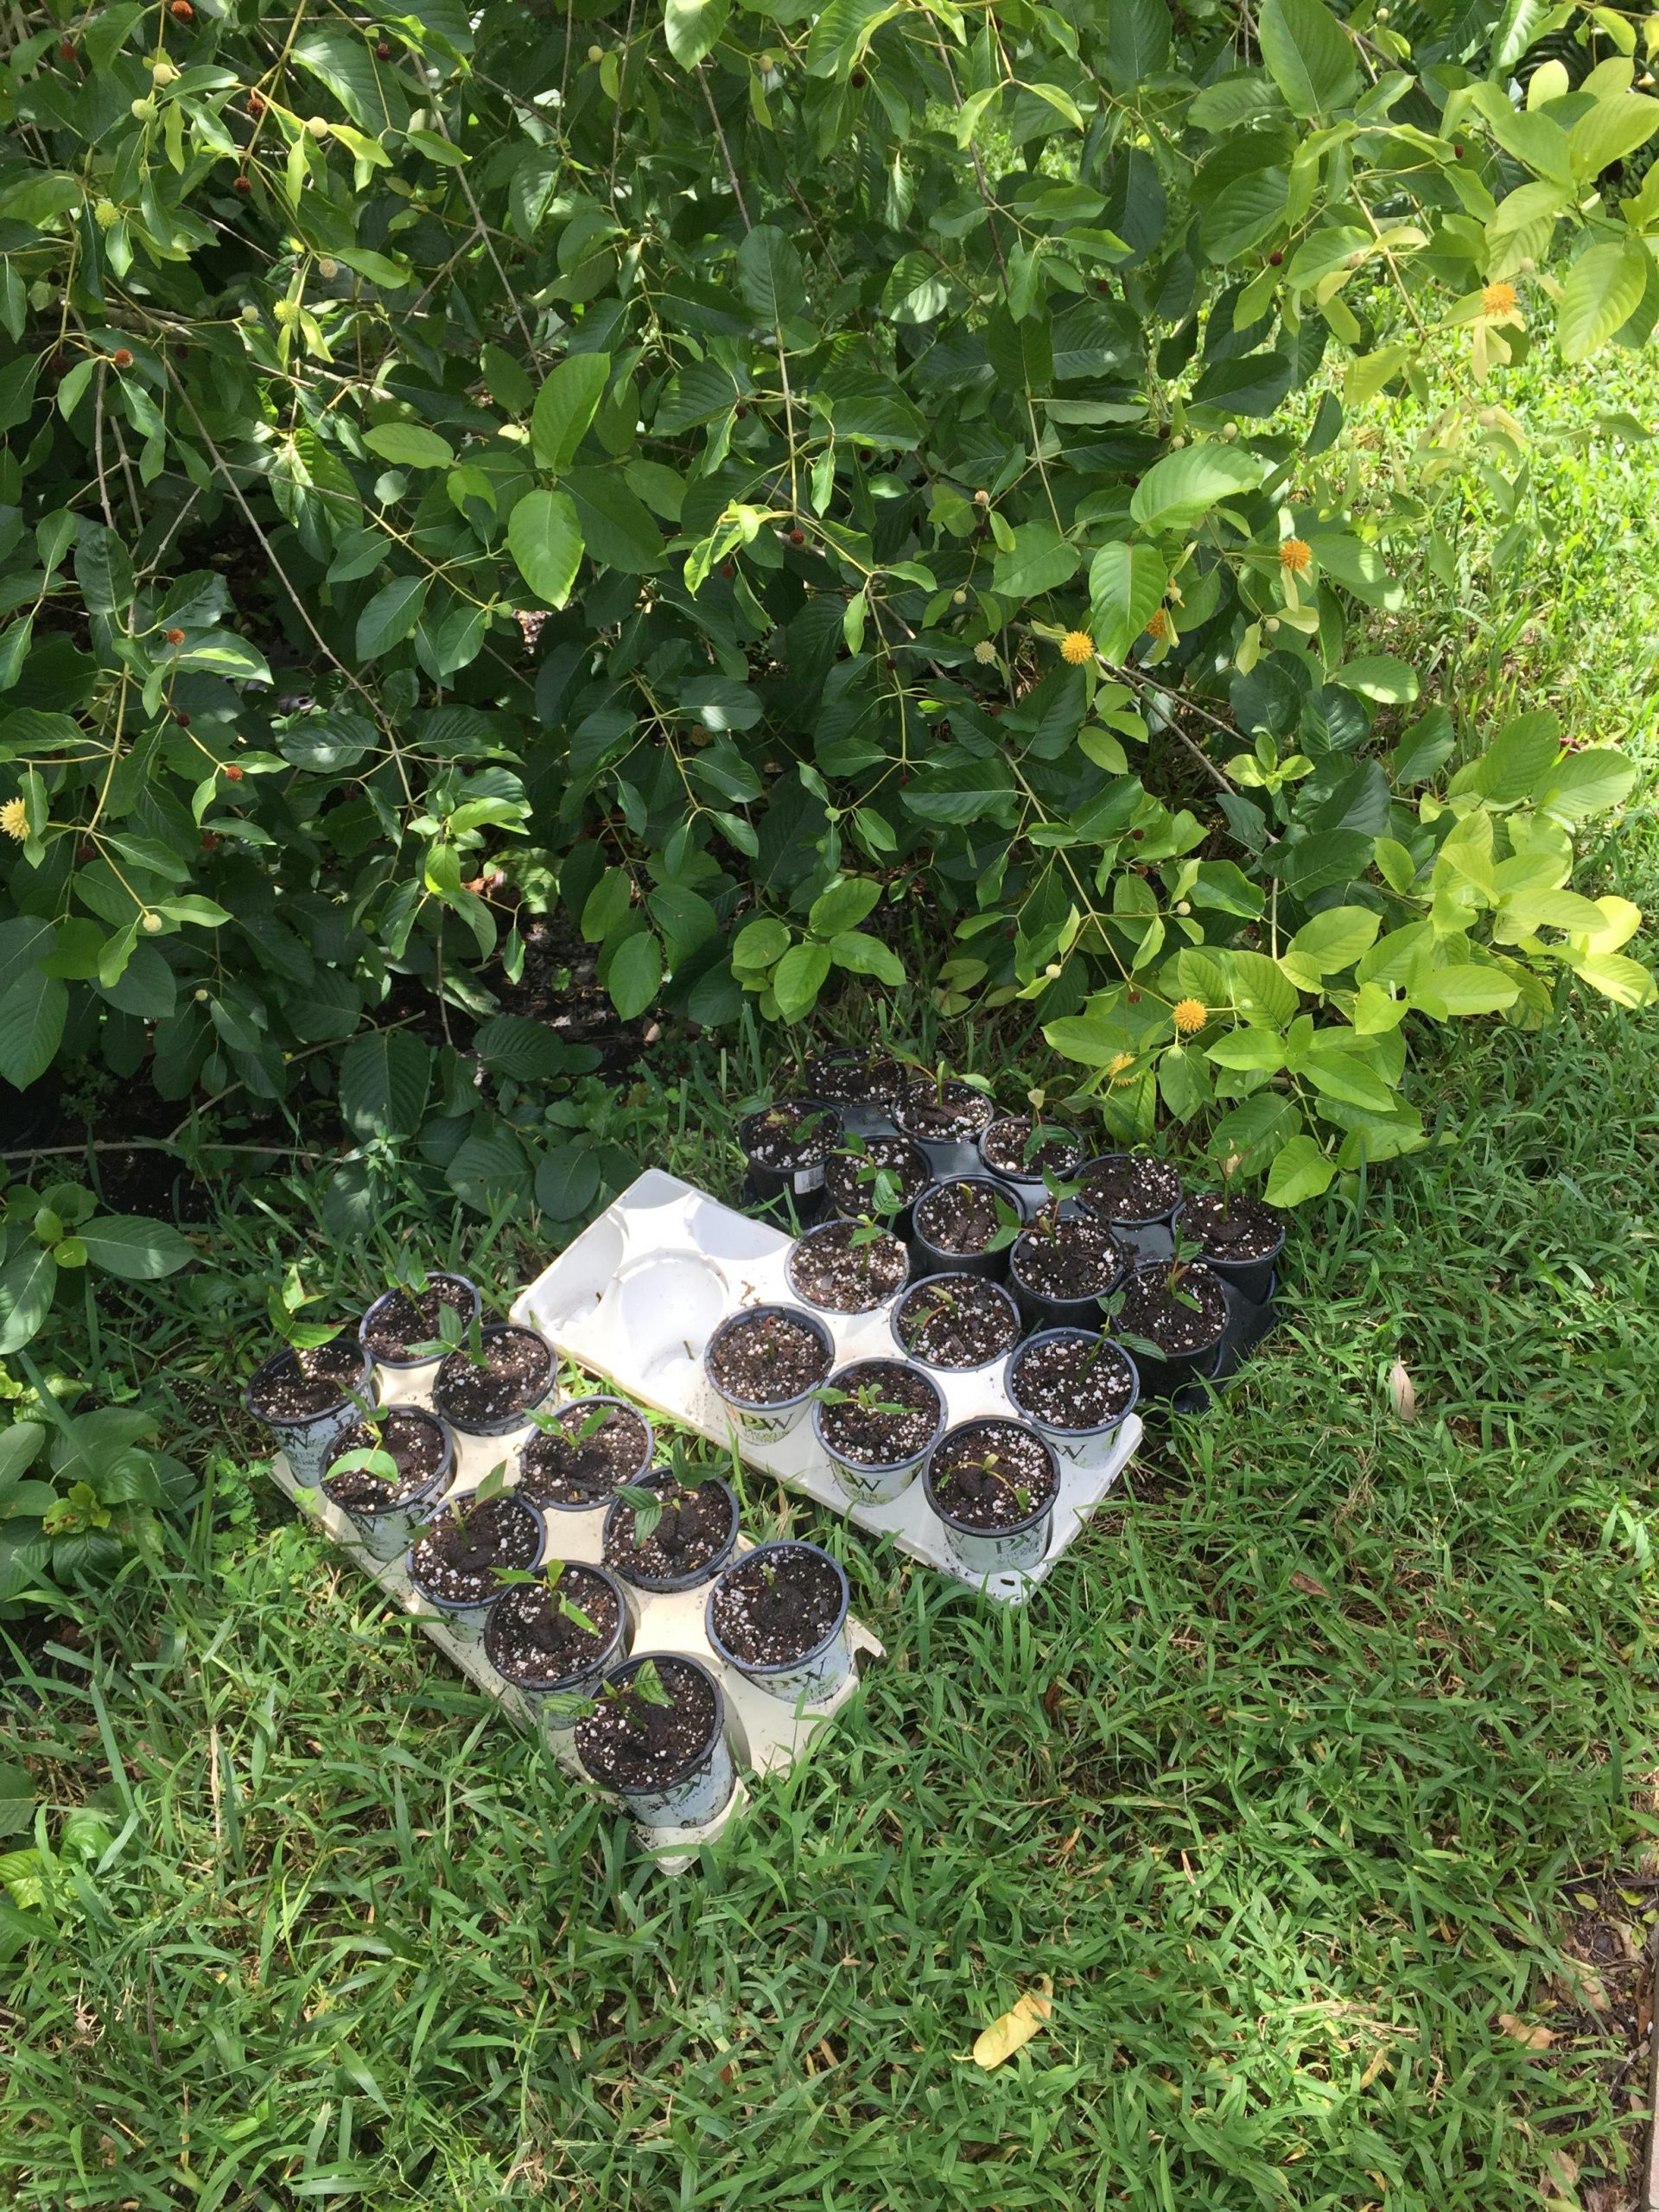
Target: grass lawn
(1317, 1778)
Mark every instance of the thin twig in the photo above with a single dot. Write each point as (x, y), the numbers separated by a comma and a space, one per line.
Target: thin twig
(726, 151)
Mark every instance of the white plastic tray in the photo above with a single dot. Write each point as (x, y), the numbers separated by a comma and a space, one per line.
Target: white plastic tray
(766, 1734)
(639, 1293)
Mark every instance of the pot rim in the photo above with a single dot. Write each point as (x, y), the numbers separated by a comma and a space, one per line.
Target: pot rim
(441, 1474)
(501, 1423)
(800, 1166)
(941, 1419)
(1256, 1259)
(1000, 1188)
(916, 1083)
(630, 1666)
(754, 1667)
(1032, 1174)
(1139, 1220)
(548, 1683)
(1008, 1528)
(1143, 1267)
(472, 1604)
(955, 1274)
(351, 1393)
(433, 1274)
(1048, 1336)
(593, 1505)
(1126, 1260)
(812, 1318)
(654, 1478)
(846, 1313)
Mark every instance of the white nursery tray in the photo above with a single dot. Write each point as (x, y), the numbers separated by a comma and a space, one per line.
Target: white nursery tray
(766, 1734)
(637, 1295)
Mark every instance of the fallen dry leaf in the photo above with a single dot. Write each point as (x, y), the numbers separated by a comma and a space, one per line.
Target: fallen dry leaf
(1379, 2060)
(1402, 1396)
(1016, 2028)
(1521, 2031)
(1307, 1585)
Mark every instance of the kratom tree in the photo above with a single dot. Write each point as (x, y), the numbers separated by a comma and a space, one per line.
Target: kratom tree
(741, 471)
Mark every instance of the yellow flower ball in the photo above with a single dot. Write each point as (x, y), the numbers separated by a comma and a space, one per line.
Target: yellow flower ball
(1498, 299)
(14, 819)
(1076, 648)
(1295, 555)
(985, 653)
(1191, 1015)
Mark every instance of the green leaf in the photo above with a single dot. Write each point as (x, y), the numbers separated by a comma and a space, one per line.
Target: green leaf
(103, 571)
(842, 907)
(509, 386)
(391, 615)
(770, 276)
(27, 1282)
(617, 530)
(1331, 942)
(1603, 290)
(1463, 987)
(384, 1077)
(1626, 982)
(529, 1050)
(1522, 754)
(32, 1016)
(1127, 585)
(544, 538)
(635, 974)
(567, 1180)
(1137, 41)
(1579, 785)
(1378, 676)
(1181, 488)
(760, 943)
(863, 955)
(1300, 1171)
(1610, 132)
(1040, 559)
(135, 1249)
(798, 978)
(1309, 55)
(693, 28)
(409, 445)
(565, 406)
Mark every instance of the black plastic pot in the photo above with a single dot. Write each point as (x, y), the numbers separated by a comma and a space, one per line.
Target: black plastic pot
(648, 1452)
(1040, 1309)
(1026, 1183)
(386, 1530)
(700, 1788)
(1252, 1280)
(859, 1203)
(695, 1576)
(364, 1328)
(1166, 1214)
(813, 1675)
(860, 1085)
(844, 1313)
(466, 1617)
(933, 1259)
(1003, 1550)
(1163, 1376)
(1068, 1443)
(309, 1442)
(586, 1679)
(759, 1423)
(770, 1184)
(456, 1364)
(947, 1155)
(991, 1359)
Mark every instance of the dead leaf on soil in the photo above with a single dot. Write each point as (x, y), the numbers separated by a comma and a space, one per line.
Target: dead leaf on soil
(1523, 2032)
(1581, 1984)
(1307, 1585)
(1016, 2028)
(1402, 1395)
